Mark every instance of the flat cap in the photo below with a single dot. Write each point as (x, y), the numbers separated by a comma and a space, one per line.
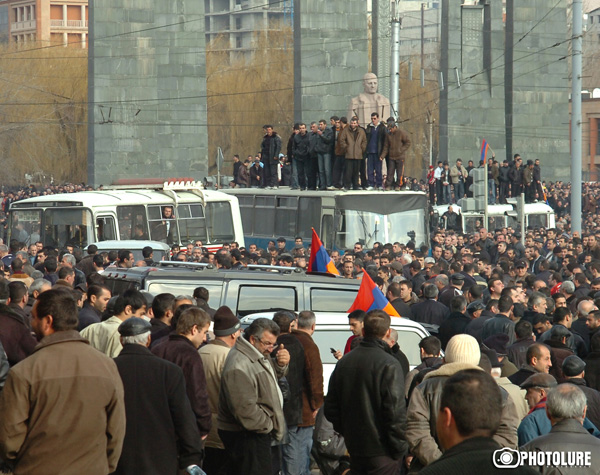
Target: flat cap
(134, 326)
(539, 380)
(573, 366)
(457, 277)
(521, 263)
(559, 331)
(397, 266)
(429, 260)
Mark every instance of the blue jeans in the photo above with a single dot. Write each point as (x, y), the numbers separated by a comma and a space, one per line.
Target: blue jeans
(459, 191)
(295, 458)
(446, 195)
(324, 170)
(374, 170)
(492, 192)
(294, 183)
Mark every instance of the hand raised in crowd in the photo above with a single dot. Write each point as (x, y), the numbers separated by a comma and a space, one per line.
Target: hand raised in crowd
(283, 356)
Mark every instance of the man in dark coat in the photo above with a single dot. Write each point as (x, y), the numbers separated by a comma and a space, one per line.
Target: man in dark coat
(257, 175)
(518, 350)
(457, 321)
(430, 310)
(15, 336)
(270, 149)
(181, 348)
(592, 361)
(161, 435)
(93, 307)
(537, 359)
(292, 402)
(501, 323)
(470, 414)
(573, 368)
(365, 401)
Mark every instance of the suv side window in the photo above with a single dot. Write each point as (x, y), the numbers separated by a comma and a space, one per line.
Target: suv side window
(331, 300)
(254, 298)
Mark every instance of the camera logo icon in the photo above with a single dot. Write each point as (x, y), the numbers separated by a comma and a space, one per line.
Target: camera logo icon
(507, 458)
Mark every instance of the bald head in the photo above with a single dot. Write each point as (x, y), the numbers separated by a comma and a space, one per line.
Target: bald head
(585, 307)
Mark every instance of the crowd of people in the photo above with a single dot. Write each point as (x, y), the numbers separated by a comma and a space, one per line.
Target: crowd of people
(518, 325)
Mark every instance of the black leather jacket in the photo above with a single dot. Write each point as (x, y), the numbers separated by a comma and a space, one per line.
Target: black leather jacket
(365, 401)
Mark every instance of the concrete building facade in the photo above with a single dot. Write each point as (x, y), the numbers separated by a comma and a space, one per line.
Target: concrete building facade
(147, 91)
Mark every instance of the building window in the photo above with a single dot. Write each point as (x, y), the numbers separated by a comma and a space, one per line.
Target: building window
(238, 42)
(238, 23)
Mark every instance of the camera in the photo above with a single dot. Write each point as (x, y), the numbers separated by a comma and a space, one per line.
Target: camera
(506, 458)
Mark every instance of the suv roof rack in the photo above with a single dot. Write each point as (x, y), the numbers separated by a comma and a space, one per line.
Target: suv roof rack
(188, 265)
(280, 269)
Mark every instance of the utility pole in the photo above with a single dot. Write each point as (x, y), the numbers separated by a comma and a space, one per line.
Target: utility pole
(576, 175)
(422, 45)
(430, 121)
(395, 63)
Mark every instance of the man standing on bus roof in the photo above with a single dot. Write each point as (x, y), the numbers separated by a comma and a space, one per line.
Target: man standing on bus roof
(270, 150)
(396, 145)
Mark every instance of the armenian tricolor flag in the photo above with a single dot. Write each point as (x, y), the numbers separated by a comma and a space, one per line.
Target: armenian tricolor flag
(484, 149)
(319, 259)
(370, 298)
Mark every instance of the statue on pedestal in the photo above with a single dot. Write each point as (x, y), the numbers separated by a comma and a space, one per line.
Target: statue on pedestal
(369, 101)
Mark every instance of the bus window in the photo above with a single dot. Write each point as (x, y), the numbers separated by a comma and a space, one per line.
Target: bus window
(537, 220)
(26, 226)
(285, 216)
(163, 224)
(219, 222)
(495, 222)
(309, 216)
(106, 228)
(68, 226)
(247, 212)
(192, 225)
(130, 218)
(264, 216)
(327, 230)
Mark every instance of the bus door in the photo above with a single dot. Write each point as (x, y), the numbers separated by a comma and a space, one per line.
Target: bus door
(106, 228)
(327, 227)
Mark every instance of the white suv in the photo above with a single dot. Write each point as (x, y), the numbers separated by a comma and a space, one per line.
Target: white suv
(332, 331)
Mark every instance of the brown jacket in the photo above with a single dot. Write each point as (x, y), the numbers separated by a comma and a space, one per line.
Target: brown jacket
(312, 386)
(353, 143)
(338, 144)
(397, 143)
(62, 410)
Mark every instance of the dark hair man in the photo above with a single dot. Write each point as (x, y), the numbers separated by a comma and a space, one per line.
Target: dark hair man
(181, 348)
(368, 383)
(93, 307)
(90, 432)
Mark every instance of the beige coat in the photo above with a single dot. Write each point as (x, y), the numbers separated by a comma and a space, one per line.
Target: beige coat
(213, 359)
(104, 336)
(250, 399)
(62, 410)
(397, 143)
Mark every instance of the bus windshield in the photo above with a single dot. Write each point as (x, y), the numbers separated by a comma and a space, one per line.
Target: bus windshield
(67, 226)
(368, 227)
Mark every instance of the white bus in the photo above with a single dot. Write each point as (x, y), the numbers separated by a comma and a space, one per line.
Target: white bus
(537, 215)
(174, 213)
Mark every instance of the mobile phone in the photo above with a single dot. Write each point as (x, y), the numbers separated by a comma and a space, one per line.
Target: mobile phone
(333, 350)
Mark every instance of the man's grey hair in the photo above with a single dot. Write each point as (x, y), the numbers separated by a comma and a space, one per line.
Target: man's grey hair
(536, 298)
(260, 326)
(568, 287)
(3, 248)
(407, 259)
(566, 401)
(37, 284)
(443, 279)
(585, 307)
(430, 291)
(69, 259)
(306, 319)
(141, 339)
(313, 123)
(23, 256)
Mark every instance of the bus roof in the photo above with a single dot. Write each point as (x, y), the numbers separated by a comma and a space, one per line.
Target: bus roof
(121, 197)
(499, 210)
